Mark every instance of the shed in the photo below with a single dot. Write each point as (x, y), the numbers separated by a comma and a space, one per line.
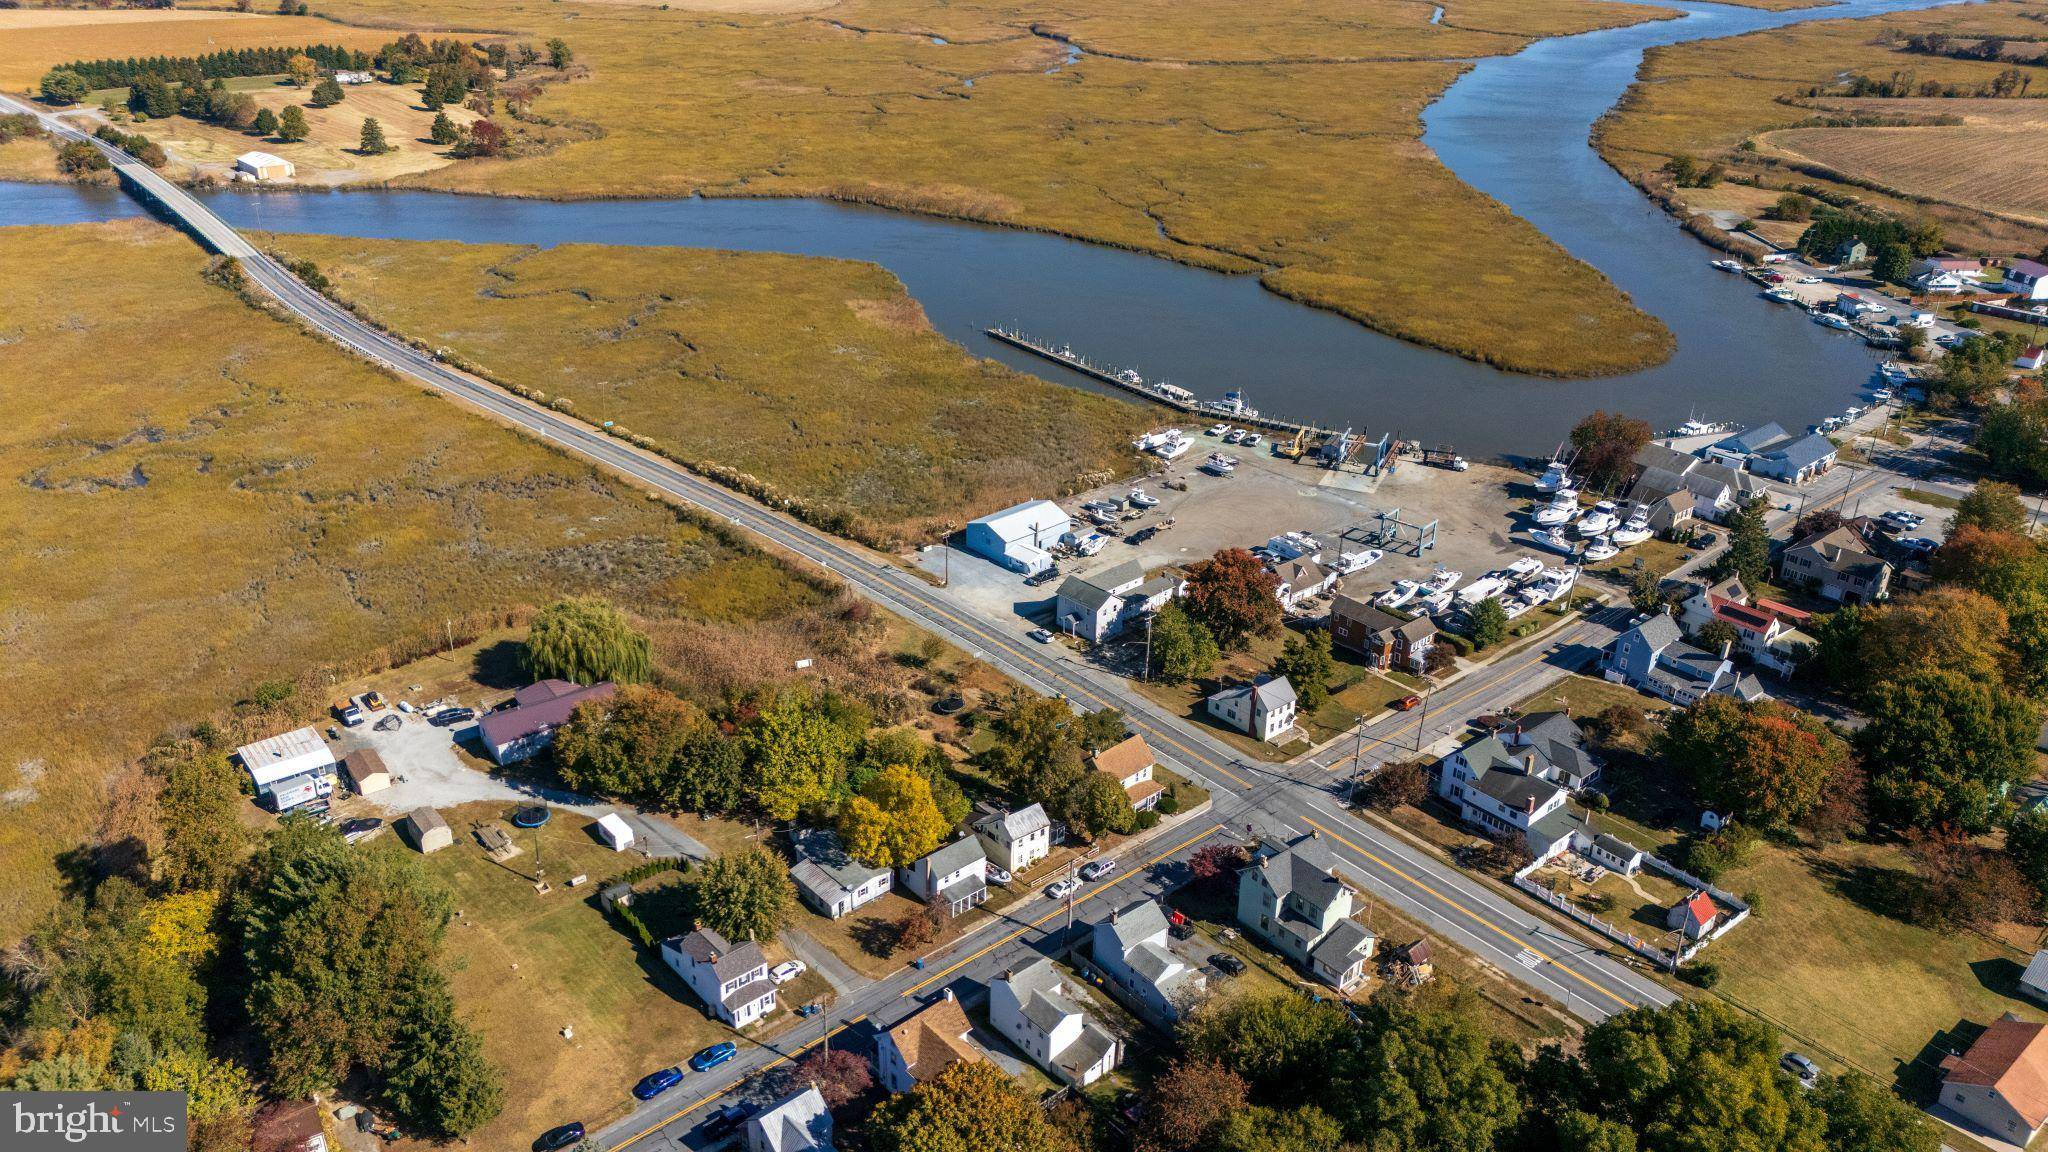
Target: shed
(263, 166)
(428, 832)
(618, 895)
(366, 771)
(615, 831)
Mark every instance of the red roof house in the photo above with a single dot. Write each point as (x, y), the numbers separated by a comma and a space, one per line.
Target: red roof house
(2000, 1084)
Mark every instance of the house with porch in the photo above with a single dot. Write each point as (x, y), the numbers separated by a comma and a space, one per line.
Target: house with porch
(1291, 897)
(731, 979)
(828, 879)
(1015, 840)
(1652, 657)
(1510, 792)
(1130, 764)
(1838, 565)
(953, 877)
(1135, 952)
(1096, 607)
(1263, 710)
(1033, 1009)
(1302, 580)
(1769, 631)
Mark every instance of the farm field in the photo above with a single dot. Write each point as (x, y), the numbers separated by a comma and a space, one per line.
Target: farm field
(34, 40)
(328, 155)
(820, 378)
(215, 499)
(1709, 98)
(1211, 134)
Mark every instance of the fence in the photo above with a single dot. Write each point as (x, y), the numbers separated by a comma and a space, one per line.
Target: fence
(1664, 956)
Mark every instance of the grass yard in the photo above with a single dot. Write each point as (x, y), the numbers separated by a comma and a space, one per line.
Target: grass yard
(1584, 696)
(820, 378)
(190, 518)
(329, 154)
(1212, 134)
(1959, 160)
(1931, 499)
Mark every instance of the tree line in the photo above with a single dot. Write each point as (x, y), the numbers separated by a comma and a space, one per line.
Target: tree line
(194, 71)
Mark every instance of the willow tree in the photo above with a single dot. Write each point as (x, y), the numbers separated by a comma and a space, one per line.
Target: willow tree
(586, 640)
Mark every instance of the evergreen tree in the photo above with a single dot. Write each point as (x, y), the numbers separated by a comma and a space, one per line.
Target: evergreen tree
(265, 123)
(291, 124)
(327, 93)
(1306, 662)
(374, 143)
(1749, 544)
(444, 131)
(1489, 623)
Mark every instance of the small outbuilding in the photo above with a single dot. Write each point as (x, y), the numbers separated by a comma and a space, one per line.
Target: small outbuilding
(289, 769)
(615, 831)
(427, 831)
(366, 771)
(263, 166)
(1613, 854)
(1695, 915)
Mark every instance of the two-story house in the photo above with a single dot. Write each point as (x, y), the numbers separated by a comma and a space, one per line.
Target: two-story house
(1836, 564)
(1291, 897)
(1015, 840)
(1510, 792)
(799, 1122)
(1562, 744)
(1263, 709)
(1135, 952)
(731, 980)
(1302, 580)
(953, 877)
(1096, 607)
(1033, 1010)
(1769, 631)
(1715, 488)
(1130, 764)
(2027, 280)
(1384, 639)
(1651, 657)
(1999, 1085)
(828, 879)
(926, 1043)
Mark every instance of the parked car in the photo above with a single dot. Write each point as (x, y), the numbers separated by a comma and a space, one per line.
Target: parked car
(713, 1056)
(1045, 577)
(786, 971)
(725, 1121)
(1143, 534)
(1227, 964)
(374, 700)
(1062, 888)
(1409, 702)
(449, 718)
(1919, 545)
(560, 1136)
(1807, 1071)
(655, 1083)
(1097, 869)
(1040, 635)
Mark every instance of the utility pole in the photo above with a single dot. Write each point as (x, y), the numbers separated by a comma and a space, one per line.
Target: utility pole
(1148, 649)
(1424, 721)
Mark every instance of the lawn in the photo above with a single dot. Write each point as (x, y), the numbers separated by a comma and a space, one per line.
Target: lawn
(818, 379)
(1931, 499)
(1281, 142)
(1584, 696)
(192, 517)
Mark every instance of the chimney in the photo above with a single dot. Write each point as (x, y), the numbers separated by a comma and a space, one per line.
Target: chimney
(1114, 913)
(1529, 763)
(1726, 647)
(947, 995)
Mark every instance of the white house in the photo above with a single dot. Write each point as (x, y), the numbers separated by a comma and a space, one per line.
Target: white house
(799, 1122)
(731, 980)
(1096, 607)
(1291, 897)
(263, 166)
(1695, 915)
(2032, 359)
(1033, 1010)
(1264, 710)
(615, 831)
(2000, 1085)
(1302, 580)
(2034, 981)
(1652, 658)
(926, 1043)
(954, 877)
(347, 76)
(828, 879)
(1130, 763)
(1769, 631)
(1135, 952)
(1613, 854)
(1510, 792)
(289, 769)
(2027, 279)
(1014, 841)
(1019, 538)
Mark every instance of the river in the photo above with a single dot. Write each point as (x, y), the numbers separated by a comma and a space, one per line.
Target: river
(1516, 127)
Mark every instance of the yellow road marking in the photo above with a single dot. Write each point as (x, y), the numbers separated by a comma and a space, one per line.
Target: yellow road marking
(1488, 924)
(703, 1100)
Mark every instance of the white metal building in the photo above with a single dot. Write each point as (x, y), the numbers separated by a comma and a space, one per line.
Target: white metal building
(263, 166)
(290, 769)
(616, 832)
(1018, 538)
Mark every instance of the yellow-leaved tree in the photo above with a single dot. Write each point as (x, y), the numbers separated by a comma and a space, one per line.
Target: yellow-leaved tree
(893, 820)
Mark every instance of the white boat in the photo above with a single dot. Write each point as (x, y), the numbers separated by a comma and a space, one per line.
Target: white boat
(1555, 539)
(1697, 427)
(1480, 589)
(1431, 603)
(1599, 520)
(1852, 411)
(1630, 534)
(1173, 449)
(1443, 580)
(1401, 593)
(1349, 562)
(1894, 372)
(1556, 476)
(1516, 606)
(1558, 513)
(1215, 467)
(1460, 464)
(1883, 396)
(1174, 392)
(1527, 568)
(1783, 295)
(1728, 265)
(1601, 549)
(1832, 320)
(1234, 436)
(1130, 376)
(1090, 544)
(1143, 499)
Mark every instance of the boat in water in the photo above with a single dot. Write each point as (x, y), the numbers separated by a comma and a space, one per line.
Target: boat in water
(1232, 404)
(1893, 372)
(1728, 265)
(1833, 320)
(1782, 295)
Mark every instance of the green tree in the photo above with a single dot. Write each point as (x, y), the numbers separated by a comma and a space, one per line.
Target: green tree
(1763, 762)
(1182, 647)
(373, 141)
(1234, 596)
(585, 640)
(265, 123)
(1430, 1079)
(1489, 623)
(437, 1078)
(1717, 633)
(972, 1106)
(1646, 591)
(1306, 662)
(1892, 263)
(1993, 507)
(1256, 1129)
(212, 1087)
(198, 808)
(884, 747)
(1864, 1116)
(443, 132)
(1035, 755)
(2026, 842)
(1585, 1132)
(893, 820)
(798, 753)
(291, 124)
(1189, 1104)
(327, 93)
(559, 55)
(63, 86)
(1749, 544)
(1100, 805)
(1948, 628)
(633, 746)
(1282, 1044)
(1944, 748)
(744, 895)
(1696, 1075)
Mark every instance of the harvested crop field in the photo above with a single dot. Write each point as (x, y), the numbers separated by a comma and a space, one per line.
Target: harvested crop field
(33, 41)
(820, 378)
(214, 499)
(329, 154)
(2002, 170)
(1278, 140)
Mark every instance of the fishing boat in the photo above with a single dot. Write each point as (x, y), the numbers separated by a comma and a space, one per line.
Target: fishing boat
(1833, 320)
(1599, 520)
(1894, 372)
(1558, 512)
(1173, 449)
(1557, 475)
(1728, 265)
(1630, 534)
(1431, 603)
(1883, 396)
(1442, 580)
(1401, 593)
(1349, 562)
(1143, 499)
(1555, 539)
(1480, 589)
(1782, 295)
(1517, 606)
(1232, 404)
(1527, 568)
(1601, 549)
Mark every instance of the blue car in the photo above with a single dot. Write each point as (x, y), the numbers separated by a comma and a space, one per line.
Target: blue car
(713, 1056)
(655, 1083)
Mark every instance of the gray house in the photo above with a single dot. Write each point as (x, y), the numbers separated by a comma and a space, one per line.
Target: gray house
(1795, 461)
(1651, 657)
(1263, 710)
(1290, 897)
(1135, 951)
(1836, 564)
(828, 879)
